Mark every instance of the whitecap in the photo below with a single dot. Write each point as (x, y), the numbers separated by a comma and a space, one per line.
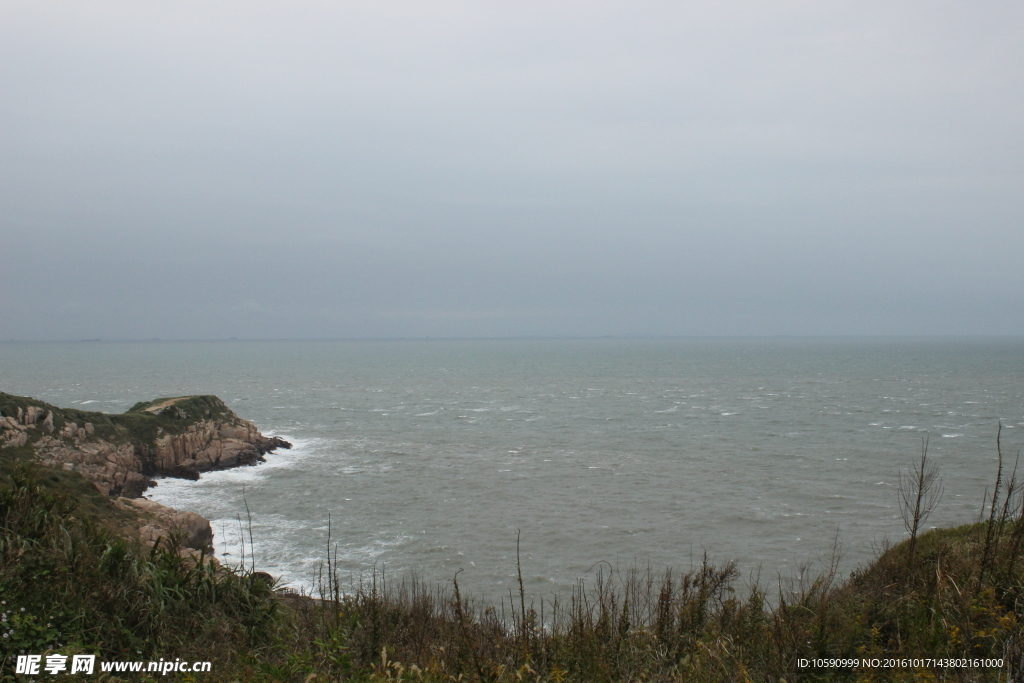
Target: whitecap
(951, 436)
(371, 551)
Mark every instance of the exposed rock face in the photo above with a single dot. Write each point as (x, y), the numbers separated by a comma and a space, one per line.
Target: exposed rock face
(158, 523)
(194, 530)
(12, 433)
(211, 445)
(113, 468)
(177, 437)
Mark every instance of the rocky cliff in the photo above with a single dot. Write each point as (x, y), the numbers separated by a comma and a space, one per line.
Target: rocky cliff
(177, 437)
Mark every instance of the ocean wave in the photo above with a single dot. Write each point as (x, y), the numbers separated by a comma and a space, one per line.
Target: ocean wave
(180, 493)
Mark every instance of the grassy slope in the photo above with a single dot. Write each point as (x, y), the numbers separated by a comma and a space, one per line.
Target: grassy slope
(72, 582)
(89, 503)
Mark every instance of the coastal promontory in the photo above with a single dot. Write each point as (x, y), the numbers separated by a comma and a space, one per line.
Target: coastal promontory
(120, 453)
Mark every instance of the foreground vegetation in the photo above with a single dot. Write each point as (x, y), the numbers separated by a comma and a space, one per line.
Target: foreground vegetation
(71, 583)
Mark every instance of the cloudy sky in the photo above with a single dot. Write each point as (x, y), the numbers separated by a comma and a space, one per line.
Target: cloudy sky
(403, 169)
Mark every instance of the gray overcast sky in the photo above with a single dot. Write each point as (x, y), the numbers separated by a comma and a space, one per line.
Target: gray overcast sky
(387, 169)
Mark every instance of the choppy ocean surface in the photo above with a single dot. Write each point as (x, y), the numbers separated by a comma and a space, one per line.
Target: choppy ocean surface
(430, 456)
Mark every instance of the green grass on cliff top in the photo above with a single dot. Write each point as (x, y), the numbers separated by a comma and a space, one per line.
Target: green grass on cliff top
(140, 425)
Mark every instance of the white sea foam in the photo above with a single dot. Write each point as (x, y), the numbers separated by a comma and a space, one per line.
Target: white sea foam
(171, 490)
(370, 552)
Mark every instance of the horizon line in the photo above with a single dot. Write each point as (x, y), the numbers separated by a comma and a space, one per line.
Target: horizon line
(127, 340)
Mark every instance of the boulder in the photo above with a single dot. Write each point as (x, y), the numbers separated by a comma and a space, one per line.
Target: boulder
(195, 531)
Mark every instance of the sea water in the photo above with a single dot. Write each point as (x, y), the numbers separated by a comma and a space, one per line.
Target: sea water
(435, 456)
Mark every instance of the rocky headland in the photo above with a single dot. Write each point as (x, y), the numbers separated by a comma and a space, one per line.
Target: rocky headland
(174, 437)
(120, 453)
